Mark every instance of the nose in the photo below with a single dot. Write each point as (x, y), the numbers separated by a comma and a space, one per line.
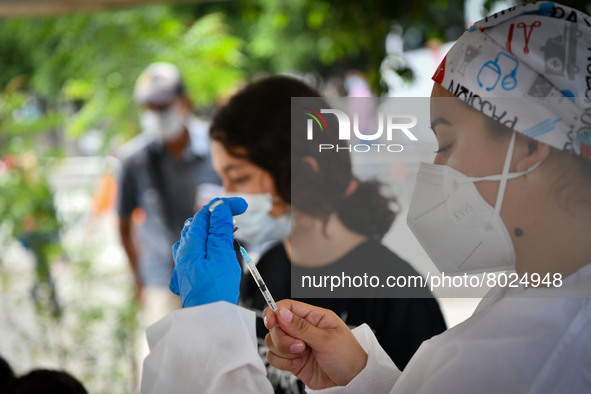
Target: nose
(439, 159)
(229, 187)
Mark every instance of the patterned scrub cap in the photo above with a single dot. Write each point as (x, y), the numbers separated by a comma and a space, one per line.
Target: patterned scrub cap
(529, 68)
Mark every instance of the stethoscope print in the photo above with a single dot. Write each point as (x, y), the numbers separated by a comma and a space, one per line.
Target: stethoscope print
(509, 81)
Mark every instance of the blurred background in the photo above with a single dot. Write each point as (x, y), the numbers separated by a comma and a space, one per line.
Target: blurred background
(67, 74)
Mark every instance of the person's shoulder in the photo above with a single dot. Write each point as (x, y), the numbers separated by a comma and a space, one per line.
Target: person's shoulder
(135, 153)
(134, 149)
(531, 335)
(553, 318)
(564, 312)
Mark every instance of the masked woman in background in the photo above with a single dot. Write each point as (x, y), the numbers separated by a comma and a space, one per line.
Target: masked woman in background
(338, 220)
(522, 170)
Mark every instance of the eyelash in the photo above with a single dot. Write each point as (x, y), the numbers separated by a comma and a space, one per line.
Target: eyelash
(240, 179)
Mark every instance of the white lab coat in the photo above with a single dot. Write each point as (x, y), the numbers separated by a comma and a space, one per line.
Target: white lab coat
(536, 341)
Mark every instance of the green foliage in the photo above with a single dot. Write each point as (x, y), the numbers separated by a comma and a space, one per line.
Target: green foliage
(62, 76)
(95, 338)
(314, 35)
(93, 60)
(34, 213)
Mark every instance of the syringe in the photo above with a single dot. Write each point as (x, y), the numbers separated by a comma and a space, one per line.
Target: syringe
(257, 278)
(245, 259)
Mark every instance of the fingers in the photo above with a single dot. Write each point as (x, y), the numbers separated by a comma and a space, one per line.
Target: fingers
(298, 327)
(331, 348)
(175, 248)
(237, 205)
(173, 285)
(186, 226)
(282, 344)
(195, 232)
(221, 229)
(303, 321)
(269, 317)
(221, 225)
(197, 229)
(285, 352)
(286, 364)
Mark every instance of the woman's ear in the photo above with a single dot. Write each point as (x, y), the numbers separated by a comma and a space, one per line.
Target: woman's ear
(312, 162)
(534, 152)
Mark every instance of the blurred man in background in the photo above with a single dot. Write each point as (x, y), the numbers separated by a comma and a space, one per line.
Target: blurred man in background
(165, 170)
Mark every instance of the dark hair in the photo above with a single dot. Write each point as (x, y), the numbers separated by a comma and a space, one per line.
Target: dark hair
(44, 381)
(6, 375)
(258, 120)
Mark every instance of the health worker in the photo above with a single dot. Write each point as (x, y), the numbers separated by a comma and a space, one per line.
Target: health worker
(520, 165)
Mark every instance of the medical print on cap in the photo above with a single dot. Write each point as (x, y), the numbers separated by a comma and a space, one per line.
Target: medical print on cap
(540, 55)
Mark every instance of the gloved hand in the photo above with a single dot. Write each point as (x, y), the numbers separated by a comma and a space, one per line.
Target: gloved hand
(206, 269)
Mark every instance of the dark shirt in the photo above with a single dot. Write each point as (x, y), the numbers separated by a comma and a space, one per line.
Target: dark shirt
(166, 212)
(400, 324)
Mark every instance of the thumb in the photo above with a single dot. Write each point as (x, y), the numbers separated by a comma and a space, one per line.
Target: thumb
(298, 327)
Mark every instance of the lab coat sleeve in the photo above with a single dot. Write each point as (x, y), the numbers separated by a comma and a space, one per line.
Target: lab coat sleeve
(210, 348)
(379, 375)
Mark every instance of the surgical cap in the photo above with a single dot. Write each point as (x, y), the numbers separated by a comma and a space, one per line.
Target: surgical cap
(529, 68)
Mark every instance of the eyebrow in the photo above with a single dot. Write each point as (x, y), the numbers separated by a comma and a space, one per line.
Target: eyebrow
(439, 121)
(231, 167)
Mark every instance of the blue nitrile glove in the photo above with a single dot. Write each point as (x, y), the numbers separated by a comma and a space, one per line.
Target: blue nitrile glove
(206, 269)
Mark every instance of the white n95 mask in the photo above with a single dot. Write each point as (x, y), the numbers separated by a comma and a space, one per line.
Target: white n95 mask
(163, 125)
(458, 229)
(256, 226)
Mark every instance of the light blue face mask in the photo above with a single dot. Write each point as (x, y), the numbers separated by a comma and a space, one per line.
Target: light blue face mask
(256, 226)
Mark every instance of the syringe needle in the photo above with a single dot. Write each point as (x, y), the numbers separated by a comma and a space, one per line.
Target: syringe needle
(258, 279)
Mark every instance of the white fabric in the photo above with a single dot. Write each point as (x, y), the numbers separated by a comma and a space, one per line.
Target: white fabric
(379, 374)
(206, 349)
(516, 344)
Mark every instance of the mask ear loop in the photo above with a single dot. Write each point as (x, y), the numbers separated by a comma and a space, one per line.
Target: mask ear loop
(504, 177)
(538, 163)
(505, 174)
